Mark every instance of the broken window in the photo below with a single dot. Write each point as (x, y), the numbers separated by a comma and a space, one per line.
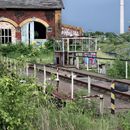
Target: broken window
(5, 36)
(39, 31)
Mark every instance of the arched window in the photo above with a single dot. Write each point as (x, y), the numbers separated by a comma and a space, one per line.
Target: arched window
(33, 32)
(7, 33)
(39, 31)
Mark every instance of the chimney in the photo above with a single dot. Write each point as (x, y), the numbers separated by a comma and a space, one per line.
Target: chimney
(121, 16)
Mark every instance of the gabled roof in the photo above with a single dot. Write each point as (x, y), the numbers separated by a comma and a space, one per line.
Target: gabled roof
(31, 4)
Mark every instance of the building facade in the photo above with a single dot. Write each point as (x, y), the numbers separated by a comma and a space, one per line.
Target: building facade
(30, 21)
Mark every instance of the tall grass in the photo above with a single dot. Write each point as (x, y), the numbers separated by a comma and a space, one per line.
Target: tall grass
(33, 54)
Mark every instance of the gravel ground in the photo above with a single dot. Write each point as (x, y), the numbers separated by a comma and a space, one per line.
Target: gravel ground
(64, 87)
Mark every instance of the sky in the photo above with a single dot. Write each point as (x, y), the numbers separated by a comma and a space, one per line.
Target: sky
(95, 15)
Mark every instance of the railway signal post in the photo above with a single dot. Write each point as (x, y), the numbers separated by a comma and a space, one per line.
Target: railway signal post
(113, 107)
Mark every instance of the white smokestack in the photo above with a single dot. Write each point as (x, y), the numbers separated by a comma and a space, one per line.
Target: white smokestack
(121, 16)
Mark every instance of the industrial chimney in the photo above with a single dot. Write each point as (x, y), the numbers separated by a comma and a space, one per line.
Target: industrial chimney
(121, 16)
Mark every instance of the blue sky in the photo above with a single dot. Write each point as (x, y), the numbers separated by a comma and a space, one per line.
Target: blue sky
(95, 15)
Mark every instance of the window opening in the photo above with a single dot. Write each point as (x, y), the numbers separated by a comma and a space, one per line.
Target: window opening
(39, 31)
(5, 36)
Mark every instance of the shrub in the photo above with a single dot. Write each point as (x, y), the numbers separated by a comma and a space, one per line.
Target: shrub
(117, 70)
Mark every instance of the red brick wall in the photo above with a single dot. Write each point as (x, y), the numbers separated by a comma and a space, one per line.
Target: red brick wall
(20, 15)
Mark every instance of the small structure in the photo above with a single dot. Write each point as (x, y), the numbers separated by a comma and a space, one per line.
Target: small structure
(30, 21)
(67, 49)
(129, 28)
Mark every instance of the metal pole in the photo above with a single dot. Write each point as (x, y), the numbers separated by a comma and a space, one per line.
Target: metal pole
(113, 107)
(57, 74)
(126, 70)
(77, 62)
(63, 48)
(101, 104)
(72, 85)
(57, 80)
(35, 70)
(89, 85)
(44, 82)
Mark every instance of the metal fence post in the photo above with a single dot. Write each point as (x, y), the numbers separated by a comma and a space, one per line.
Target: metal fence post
(89, 85)
(57, 80)
(35, 70)
(126, 70)
(101, 104)
(44, 82)
(72, 85)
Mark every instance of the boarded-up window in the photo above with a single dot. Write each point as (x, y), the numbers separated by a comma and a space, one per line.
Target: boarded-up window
(5, 36)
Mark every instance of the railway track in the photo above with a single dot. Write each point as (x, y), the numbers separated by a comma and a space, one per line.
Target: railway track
(98, 82)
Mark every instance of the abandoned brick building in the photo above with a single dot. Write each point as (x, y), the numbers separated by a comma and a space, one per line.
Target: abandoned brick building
(29, 21)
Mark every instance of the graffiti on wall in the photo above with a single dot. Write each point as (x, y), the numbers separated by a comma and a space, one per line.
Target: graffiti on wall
(90, 58)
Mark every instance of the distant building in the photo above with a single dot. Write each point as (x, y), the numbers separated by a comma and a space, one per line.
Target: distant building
(30, 21)
(71, 31)
(129, 28)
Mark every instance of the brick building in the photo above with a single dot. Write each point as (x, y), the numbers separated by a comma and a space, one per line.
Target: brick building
(29, 21)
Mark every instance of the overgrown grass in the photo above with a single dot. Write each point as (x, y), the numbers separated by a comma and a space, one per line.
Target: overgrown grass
(34, 54)
(23, 106)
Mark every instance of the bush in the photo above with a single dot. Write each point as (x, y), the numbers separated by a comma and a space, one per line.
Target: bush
(117, 70)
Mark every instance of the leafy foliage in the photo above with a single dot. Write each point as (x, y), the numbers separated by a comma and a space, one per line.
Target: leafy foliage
(30, 53)
(117, 70)
(17, 104)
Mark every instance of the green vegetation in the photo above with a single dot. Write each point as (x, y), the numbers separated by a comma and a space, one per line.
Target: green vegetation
(24, 106)
(119, 46)
(117, 70)
(42, 54)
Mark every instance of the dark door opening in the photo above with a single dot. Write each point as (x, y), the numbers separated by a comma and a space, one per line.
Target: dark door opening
(57, 60)
(39, 31)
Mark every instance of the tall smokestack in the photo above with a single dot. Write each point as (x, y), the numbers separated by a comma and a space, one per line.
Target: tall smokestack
(121, 16)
